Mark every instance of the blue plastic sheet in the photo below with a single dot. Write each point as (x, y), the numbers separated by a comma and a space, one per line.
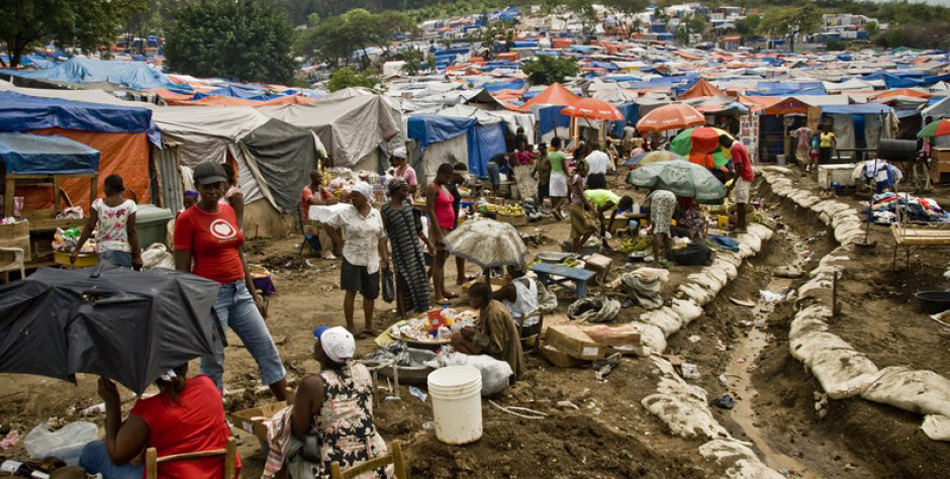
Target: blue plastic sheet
(429, 129)
(631, 113)
(24, 112)
(856, 109)
(237, 91)
(550, 117)
(136, 75)
(28, 154)
(504, 85)
(486, 142)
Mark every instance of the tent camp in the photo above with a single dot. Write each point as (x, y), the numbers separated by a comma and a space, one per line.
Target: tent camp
(440, 138)
(122, 135)
(137, 75)
(352, 129)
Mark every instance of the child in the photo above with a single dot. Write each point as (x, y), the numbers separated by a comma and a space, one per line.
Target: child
(116, 239)
(189, 199)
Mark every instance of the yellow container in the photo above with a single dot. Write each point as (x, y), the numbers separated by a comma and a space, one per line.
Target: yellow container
(83, 261)
(723, 221)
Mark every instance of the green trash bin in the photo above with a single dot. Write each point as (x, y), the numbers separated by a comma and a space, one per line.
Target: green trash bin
(150, 223)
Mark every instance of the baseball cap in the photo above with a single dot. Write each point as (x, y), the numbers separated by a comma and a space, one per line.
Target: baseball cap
(207, 172)
(338, 343)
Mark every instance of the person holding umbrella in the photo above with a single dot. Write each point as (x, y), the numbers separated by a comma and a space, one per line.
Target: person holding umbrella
(208, 243)
(187, 415)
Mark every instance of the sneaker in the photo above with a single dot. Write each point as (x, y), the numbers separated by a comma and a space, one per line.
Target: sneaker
(328, 256)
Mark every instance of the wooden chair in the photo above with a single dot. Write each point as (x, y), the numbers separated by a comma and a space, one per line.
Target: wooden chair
(394, 457)
(229, 452)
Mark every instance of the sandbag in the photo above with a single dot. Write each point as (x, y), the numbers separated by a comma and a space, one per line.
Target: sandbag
(936, 427)
(719, 449)
(806, 324)
(682, 407)
(594, 310)
(695, 293)
(806, 347)
(651, 337)
(762, 232)
(920, 391)
(707, 281)
(843, 373)
(754, 243)
(664, 318)
(686, 310)
(495, 374)
(746, 469)
(726, 266)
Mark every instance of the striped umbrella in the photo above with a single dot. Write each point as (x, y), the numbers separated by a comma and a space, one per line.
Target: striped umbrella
(702, 140)
(937, 128)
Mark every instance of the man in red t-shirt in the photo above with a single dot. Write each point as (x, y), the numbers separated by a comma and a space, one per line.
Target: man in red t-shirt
(315, 194)
(744, 177)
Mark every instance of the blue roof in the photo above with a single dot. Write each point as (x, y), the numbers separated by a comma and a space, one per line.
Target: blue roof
(20, 112)
(856, 109)
(135, 75)
(29, 154)
(429, 129)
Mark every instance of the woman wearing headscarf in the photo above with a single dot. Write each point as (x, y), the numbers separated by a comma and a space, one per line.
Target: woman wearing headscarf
(187, 415)
(364, 252)
(404, 229)
(333, 412)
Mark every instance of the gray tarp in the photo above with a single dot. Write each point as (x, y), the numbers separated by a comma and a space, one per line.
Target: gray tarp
(349, 128)
(284, 155)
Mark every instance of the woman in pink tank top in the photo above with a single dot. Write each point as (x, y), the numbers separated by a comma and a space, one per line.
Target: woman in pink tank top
(441, 222)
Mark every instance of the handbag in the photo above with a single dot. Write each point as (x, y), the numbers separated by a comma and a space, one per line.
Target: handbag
(389, 285)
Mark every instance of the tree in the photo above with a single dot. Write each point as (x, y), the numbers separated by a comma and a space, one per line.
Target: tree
(413, 58)
(749, 25)
(872, 28)
(629, 11)
(247, 40)
(346, 77)
(548, 69)
(338, 37)
(84, 24)
(790, 22)
(688, 26)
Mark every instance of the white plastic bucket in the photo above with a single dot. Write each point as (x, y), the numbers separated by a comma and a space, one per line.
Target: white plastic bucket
(456, 404)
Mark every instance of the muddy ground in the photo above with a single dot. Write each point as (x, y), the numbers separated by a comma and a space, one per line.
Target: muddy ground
(610, 435)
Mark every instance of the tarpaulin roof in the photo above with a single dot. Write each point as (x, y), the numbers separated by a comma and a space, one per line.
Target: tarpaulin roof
(856, 109)
(555, 94)
(24, 153)
(237, 92)
(25, 112)
(349, 128)
(700, 89)
(282, 153)
(136, 75)
(504, 85)
(218, 100)
(429, 129)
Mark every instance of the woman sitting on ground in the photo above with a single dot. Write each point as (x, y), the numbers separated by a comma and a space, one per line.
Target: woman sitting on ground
(495, 333)
(336, 409)
(186, 416)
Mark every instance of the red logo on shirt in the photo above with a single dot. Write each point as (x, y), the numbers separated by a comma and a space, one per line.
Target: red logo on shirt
(221, 229)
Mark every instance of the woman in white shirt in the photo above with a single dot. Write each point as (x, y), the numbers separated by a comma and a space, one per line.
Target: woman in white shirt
(113, 219)
(364, 254)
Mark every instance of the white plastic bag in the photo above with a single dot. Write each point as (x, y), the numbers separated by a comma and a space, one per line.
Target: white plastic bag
(495, 373)
(65, 443)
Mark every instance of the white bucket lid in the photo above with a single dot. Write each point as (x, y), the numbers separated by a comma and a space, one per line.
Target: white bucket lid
(454, 376)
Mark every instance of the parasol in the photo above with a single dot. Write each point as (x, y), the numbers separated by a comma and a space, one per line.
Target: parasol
(126, 325)
(487, 243)
(937, 128)
(593, 109)
(682, 178)
(671, 117)
(661, 155)
(705, 140)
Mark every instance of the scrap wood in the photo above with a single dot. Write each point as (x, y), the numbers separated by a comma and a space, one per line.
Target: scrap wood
(517, 411)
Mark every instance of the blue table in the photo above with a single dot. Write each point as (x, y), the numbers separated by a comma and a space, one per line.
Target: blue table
(578, 276)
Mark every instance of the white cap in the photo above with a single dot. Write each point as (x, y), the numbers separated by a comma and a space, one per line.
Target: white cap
(338, 344)
(400, 153)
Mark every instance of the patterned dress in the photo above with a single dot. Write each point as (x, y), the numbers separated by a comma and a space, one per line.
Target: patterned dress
(344, 427)
(403, 227)
(662, 205)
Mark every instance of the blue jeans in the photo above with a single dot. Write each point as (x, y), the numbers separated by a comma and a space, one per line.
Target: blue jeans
(118, 258)
(236, 309)
(95, 460)
(494, 173)
(314, 242)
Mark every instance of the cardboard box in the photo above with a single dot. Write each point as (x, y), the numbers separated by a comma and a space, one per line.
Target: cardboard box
(574, 342)
(252, 420)
(621, 336)
(559, 359)
(599, 264)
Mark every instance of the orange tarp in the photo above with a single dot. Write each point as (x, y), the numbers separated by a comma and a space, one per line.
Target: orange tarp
(509, 56)
(169, 95)
(124, 154)
(687, 56)
(902, 92)
(561, 43)
(702, 88)
(555, 94)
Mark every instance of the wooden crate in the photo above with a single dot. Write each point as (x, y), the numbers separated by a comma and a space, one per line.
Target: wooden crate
(83, 261)
(519, 220)
(17, 235)
(252, 420)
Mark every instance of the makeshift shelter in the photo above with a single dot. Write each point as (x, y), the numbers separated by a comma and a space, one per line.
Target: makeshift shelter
(860, 126)
(352, 129)
(702, 88)
(137, 75)
(546, 107)
(121, 134)
(28, 154)
(440, 138)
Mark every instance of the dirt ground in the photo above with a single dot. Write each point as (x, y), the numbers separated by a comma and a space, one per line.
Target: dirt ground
(610, 435)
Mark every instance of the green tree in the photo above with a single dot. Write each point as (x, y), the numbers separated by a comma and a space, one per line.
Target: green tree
(247, 40)
(688, 26)
(789, 22)
(749, 25)
(84, 24)
(872, 28)
(346, 77)
(413, 58)
(627, 12)
(547, 69)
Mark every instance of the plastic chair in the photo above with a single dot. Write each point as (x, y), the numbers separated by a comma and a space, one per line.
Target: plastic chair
(229, 452)
(16, 264)
(394, 457)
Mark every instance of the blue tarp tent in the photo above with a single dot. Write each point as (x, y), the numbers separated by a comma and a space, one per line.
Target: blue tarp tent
(28, 154)
(487, 141)
(631, 113)
(237, 92)
(24, 112)
(136, 75)
(550, 117)
(504, 85)
(430, 129)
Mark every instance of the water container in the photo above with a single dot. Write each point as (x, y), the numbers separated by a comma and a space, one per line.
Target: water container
(456, 404)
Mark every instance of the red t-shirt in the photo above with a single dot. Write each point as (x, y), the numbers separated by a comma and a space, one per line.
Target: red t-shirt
(195, 423)
(214, 240)
(741, 161)
(305, 195)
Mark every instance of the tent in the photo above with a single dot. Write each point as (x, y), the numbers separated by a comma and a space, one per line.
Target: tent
(136, 75)
(121, 134)
(860, 125)
(25, 153)
(702, 88)
(547, 106)
(351, 128)
(440, 138)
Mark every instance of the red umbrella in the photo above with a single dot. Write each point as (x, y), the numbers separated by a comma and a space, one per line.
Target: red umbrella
(671, 117)
(593, 109)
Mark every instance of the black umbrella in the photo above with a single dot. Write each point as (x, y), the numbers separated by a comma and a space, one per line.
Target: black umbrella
(126, 325)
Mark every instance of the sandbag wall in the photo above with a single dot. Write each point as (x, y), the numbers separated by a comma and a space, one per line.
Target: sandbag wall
(842, 371)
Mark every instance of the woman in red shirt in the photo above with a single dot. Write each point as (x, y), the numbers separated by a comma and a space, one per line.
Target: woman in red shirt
(439, 202)
(186, 416)
(208, 243)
